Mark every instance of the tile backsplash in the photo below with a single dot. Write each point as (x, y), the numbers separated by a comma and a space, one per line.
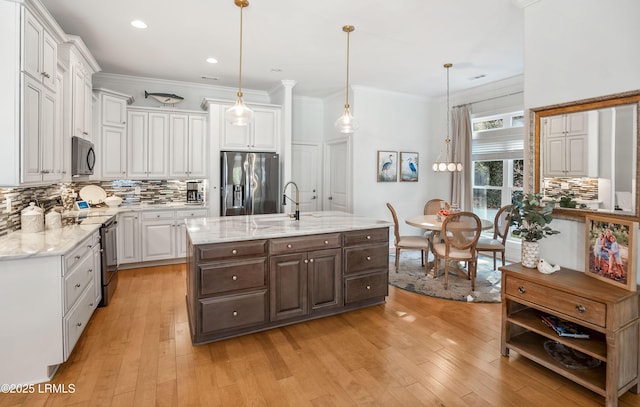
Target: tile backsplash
(133, 192)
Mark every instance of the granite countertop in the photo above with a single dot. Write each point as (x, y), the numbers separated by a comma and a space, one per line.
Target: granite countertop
(53, 242)
(106, 210)
(236, 228)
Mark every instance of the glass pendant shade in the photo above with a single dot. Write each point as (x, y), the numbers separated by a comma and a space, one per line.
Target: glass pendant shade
(346, 123)
(239, 114)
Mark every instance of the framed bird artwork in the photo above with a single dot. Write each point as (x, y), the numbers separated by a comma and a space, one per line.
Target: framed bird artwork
(387, 170)
(409, 167)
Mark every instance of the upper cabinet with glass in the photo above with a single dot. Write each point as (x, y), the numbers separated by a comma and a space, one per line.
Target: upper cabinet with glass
(588, 151)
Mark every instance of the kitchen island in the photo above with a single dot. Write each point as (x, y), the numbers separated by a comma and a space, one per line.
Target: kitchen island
(251, 273)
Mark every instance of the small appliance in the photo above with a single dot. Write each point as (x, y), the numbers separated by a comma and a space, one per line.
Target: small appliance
(194, 192)
(83, 157)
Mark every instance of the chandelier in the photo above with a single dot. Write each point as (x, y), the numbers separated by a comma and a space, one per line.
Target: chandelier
(239, 114)
(448, 165)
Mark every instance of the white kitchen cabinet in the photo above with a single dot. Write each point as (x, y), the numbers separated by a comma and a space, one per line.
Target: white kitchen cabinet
(39, 51)
(163, 233)
(566, 146)
(148, 144)
(81, 101)
(39, 133)
(128, 233)
(263, 134)
(112, 125)
(187, 134)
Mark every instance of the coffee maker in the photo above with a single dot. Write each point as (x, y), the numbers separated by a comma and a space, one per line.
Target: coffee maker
(194, 192)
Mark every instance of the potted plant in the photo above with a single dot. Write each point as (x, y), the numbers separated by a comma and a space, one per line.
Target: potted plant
(530, 216)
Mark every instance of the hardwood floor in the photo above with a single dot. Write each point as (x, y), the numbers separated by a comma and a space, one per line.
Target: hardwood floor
(413, 350)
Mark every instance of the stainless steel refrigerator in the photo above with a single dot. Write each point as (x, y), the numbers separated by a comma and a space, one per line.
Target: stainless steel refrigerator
(250, 183)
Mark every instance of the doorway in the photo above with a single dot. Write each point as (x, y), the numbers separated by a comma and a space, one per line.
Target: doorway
(337, 171)
(305, 167)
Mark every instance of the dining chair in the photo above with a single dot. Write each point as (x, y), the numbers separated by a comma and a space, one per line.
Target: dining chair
(460, 234)
(406, 242)
(431, 208)
(500, 233)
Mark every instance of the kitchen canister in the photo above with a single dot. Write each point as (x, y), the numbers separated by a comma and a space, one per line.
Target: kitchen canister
(32, 219)
(53, 220)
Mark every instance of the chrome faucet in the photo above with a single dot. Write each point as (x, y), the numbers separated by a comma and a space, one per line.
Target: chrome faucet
(296, 215)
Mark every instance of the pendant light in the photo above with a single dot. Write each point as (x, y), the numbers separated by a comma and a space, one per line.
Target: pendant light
(346, 123)
(448, 164)
(239, 114)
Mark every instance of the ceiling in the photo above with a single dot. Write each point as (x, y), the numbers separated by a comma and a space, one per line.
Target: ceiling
(398, 45)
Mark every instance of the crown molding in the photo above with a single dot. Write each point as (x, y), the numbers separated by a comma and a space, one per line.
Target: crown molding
(523, 3)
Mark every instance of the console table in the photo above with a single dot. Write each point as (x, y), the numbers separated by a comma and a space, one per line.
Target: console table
(607, 313)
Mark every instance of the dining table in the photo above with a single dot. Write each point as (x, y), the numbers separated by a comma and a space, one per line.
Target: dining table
(434, 223)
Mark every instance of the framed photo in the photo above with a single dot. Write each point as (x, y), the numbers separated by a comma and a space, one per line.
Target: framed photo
(409, 167)
(611, 250)
(387, 170)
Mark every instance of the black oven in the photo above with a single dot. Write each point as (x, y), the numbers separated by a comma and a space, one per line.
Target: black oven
(109, 249)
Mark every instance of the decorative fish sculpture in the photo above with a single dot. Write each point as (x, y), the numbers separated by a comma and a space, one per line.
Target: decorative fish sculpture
(166, 98)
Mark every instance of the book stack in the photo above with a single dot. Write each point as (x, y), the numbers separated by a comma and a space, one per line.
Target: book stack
(564, 328)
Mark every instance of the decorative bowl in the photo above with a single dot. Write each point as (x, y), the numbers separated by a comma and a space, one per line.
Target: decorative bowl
(113, 201)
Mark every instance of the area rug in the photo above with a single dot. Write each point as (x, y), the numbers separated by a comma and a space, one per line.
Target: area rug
(411, 277)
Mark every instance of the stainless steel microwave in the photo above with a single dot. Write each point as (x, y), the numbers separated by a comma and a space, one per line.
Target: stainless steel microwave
(83, 157)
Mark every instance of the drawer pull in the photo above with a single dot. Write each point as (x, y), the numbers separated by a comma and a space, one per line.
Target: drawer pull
(368, 287)
(310, 260)
(78, 285)
(234, 278)
(90, 270)
(368, 237)
(522, 289)
(235, 313)
(326, 242)
(368, 258)
(306, 261)
(581, 308)
(288, 246)
(77, 257)
(79, 324)
(89, 246)
(234, 251)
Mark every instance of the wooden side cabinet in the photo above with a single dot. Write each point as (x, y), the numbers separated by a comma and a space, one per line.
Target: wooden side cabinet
(608, 314)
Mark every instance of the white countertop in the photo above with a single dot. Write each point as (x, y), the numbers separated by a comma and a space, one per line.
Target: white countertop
(236, 228)
(54, 242)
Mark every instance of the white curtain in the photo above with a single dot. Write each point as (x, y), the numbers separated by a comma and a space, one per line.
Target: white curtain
(461, 152)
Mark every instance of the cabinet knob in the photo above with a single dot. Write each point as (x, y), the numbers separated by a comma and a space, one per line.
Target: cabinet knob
(77, 257)
(234, 251)
(368, 287)
(306, 261)
(157, 216)
(522, 289)
(326, 242)
(90, 304)
(46, 75)
(235, 313)
(234, 278)
(368, 237)
(368, 258)
(89, 246)
(289, 246)
(79, 324)
(310, 260)
(90, 270)
(78, 285)
(581, 308)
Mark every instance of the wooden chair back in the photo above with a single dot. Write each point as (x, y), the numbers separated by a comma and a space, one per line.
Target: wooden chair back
(501, 224)
(396, 231)
(433, 206)
(461, 231)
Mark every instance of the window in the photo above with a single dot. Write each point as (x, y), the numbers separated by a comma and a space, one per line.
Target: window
(498, 161)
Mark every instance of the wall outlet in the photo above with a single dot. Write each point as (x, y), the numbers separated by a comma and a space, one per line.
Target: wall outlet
(8, 209)
(564, 185)
(137, 191)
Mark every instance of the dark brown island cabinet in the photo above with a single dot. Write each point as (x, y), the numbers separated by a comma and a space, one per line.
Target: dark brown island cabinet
(240, 287)
(607, 362)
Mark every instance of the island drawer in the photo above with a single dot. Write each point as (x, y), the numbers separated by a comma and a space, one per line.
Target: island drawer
(365, 287)
(225, 277)
(569, 304)
(302, 243)
(366, 236)
(223, 313)
(217, 251)
(366, 257)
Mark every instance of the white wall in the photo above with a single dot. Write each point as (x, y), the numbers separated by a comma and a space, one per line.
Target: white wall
(308, 116)
(577, 49)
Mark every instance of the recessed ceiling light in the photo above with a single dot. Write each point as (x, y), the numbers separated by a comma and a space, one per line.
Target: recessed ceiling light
(139, 24)
(473, 78)
(276, 70)
(211, 78)
(212, 60)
